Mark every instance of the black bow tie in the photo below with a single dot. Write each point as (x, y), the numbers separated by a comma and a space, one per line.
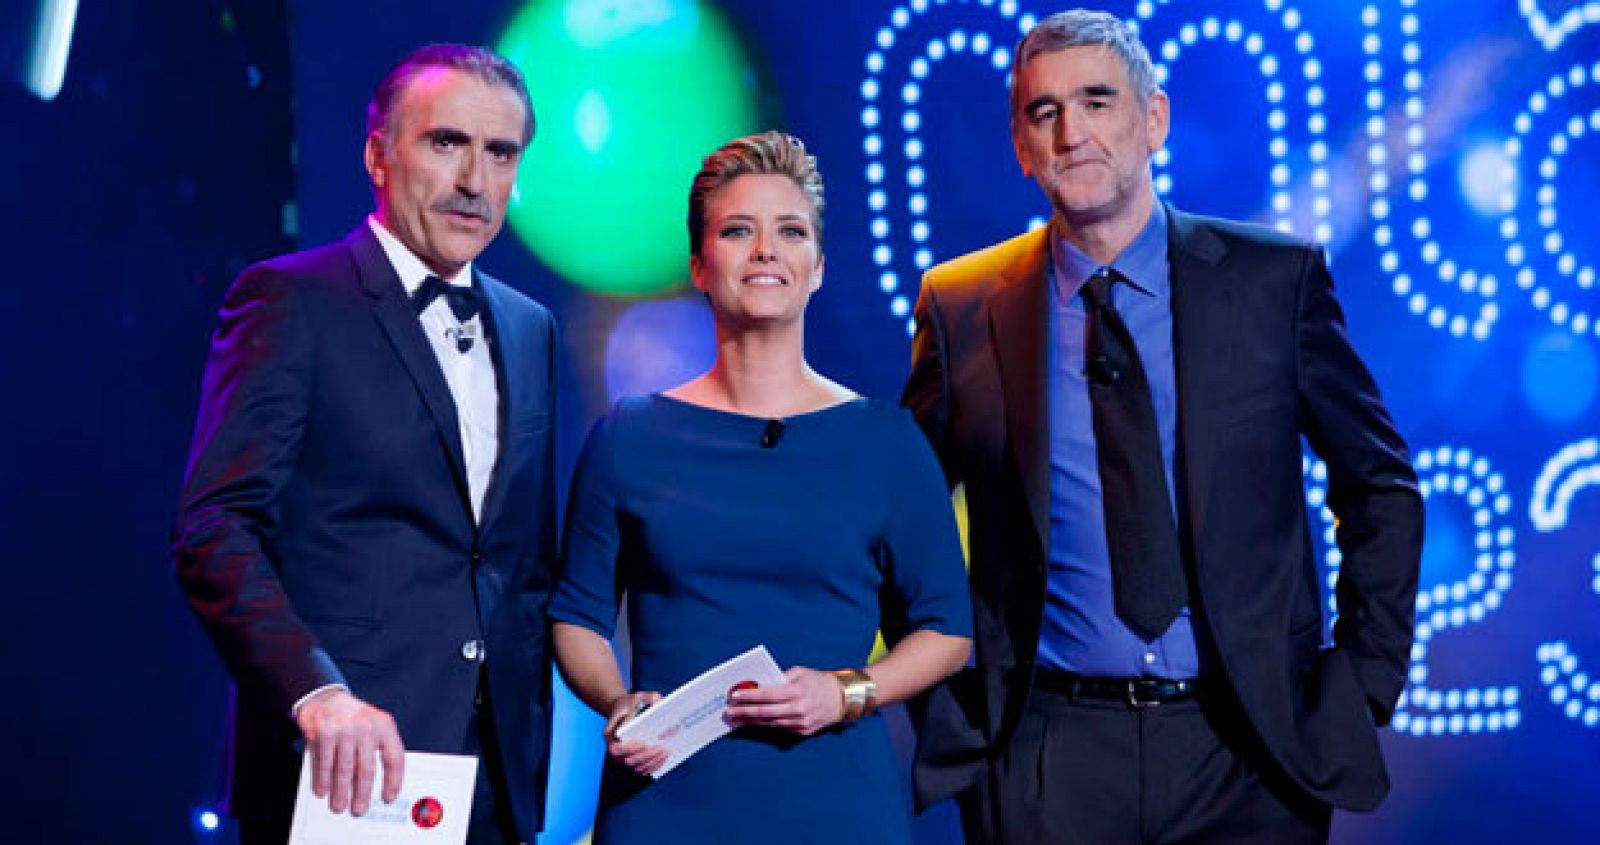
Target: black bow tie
(465, 302)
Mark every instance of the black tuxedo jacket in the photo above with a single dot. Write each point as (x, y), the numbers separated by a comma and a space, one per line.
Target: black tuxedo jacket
(325, 532)
(1262, 360)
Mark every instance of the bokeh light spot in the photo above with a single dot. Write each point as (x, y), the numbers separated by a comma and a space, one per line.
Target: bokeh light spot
(629, 96)
(593, 122)
(1559, 376)
(1482, 178)
(659, 344)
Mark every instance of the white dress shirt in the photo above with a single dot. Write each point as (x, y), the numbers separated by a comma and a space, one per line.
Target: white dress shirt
(469, 374)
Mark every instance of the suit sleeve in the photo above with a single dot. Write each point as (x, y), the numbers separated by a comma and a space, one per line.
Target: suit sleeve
(252, 415)
(538, 579)
(927, 390)
(536, 573)
(1372, 490)
(948, 717)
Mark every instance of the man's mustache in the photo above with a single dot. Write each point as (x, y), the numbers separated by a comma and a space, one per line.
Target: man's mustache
(457, 204)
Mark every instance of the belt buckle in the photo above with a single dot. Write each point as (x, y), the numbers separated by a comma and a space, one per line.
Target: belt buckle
(1138, 703)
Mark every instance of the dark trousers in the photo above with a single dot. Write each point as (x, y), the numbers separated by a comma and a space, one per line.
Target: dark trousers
(491, 808)
(491, 822)
(1081, 770)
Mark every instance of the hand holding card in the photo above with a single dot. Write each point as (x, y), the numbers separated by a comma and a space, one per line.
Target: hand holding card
(434, 807)
(692, 716)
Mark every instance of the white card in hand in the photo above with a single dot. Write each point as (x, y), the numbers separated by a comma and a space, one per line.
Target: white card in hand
(434, 806)
(692, 716)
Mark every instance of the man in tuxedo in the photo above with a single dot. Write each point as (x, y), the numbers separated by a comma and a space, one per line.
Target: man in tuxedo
(367, 527)
(1124, 395)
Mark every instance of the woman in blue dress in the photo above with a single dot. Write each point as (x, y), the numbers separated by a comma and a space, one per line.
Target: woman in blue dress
(760, 504)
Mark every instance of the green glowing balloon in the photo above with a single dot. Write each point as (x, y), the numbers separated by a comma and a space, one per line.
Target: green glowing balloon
(629, 95)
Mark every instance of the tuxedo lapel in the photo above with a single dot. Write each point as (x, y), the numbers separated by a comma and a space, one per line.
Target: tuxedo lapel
(398, 318)
(1019, 315)
(506, 348)
(1204, 327)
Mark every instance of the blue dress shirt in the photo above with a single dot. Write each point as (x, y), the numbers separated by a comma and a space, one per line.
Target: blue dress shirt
(1081, 631)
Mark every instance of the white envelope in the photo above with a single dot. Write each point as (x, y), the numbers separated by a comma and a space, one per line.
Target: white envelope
(434, 806)
(692, 716)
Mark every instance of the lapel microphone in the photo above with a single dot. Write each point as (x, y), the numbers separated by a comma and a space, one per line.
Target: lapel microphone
(464, 336)
(772, 433)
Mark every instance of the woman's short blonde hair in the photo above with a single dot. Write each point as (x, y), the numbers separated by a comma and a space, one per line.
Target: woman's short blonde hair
(770, 153)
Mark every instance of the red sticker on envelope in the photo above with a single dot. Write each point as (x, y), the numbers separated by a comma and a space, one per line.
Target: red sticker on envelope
(427, 812)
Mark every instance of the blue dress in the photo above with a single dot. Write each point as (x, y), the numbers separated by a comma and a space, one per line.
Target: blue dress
(720, 543)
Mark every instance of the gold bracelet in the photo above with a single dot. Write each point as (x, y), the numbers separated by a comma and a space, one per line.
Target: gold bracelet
(858, 691)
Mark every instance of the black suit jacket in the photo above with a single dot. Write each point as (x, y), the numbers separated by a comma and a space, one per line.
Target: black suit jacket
(1262, 360)
(325, 532)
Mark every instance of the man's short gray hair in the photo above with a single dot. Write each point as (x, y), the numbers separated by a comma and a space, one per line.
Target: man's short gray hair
(1087, 28)
(478, 61)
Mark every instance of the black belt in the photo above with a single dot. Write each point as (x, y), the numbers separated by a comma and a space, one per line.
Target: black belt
(1134, 692)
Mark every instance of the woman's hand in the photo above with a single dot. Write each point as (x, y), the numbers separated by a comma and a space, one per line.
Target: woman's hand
(806, 702)
(638, 756)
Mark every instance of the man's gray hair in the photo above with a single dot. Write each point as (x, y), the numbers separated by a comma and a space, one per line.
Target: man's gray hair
(478, 61)
(1087, 28)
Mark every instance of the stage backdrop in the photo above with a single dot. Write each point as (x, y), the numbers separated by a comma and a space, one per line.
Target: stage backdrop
(1443, 150)
(151, 160)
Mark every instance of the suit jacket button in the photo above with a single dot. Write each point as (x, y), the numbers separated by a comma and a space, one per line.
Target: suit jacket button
(471, 650)
(477, 558)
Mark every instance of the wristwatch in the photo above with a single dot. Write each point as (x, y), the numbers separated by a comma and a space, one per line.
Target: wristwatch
(860, 693)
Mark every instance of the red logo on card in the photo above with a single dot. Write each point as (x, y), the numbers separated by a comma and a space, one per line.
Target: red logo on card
(427, 812)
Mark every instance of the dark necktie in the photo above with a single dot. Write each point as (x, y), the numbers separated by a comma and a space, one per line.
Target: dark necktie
(465, 302)
(1147, 578)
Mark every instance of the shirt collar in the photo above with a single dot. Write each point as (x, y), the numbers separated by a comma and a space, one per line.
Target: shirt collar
(1143, 263)
(407, 265)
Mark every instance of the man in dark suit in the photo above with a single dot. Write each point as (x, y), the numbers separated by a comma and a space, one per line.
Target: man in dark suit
(1124, 395)
(367, 525)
